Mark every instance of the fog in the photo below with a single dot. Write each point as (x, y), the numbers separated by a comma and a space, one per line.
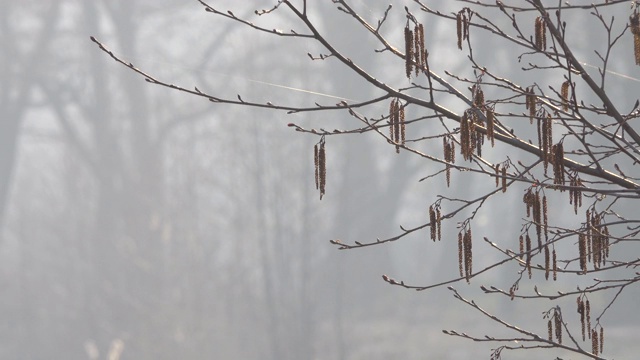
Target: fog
(139, 222)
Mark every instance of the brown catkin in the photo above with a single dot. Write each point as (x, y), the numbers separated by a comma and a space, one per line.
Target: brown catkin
(490, 119)
(582, 248)
(402, 127)
(540, 34)
(558, 164)
(634, 25)
(550, 330)
(528, 247)
(417, 49)
(468, 254)
(392, 119)
(564, 92)
(423, 52)
(581, 312)
(587, 313)
(601, 339)
(545, 218)
(594, 342)
(315, 165)
(531, 103)
(432, 222)
(504, 179)
(322, 166)
(521, 243)
(459, 29)
(408, 46)
(537, 218)
(497, 175)
(449, 155)
(555, 265)
(439, 223)
(547, 262)
(460, 254)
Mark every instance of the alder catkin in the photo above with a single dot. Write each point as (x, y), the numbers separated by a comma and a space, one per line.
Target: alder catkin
(460, 254)
(547, 262)
(322, 166)
(555, 265)
(408, 46)
(564, 93)
(634, 25)
(558, 325)
(459, 29)
(315, 165)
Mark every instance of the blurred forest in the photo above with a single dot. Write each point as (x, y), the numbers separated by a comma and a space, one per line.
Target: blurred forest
(141, 223)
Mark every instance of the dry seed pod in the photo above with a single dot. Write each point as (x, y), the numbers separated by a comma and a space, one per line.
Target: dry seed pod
(564, 92)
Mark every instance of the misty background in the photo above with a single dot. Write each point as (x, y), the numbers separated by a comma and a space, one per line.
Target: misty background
(143, 223)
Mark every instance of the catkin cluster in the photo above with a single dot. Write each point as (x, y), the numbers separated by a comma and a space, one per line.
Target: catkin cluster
(575, 192)
(396, 123)
(537, 207)
(471, 139)
(463, 18)
(558, 164)
(415, 50)
(320, 161)
(597, 338)
(530, 103)
(554, 326)
(593, 244)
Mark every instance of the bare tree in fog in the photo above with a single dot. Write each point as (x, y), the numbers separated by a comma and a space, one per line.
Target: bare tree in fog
(563, 146)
